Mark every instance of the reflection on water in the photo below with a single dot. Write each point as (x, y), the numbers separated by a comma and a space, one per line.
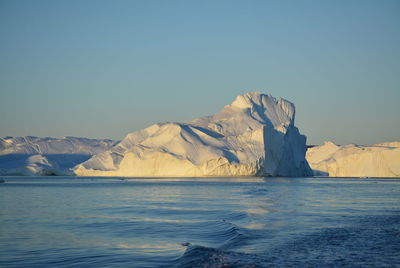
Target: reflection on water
(199, 222)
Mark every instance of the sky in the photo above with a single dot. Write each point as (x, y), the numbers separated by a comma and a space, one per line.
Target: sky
(103, 69)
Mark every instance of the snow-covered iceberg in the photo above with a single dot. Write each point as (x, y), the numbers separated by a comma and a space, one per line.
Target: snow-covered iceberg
(255, 135)
(47, 156)
(378, 160)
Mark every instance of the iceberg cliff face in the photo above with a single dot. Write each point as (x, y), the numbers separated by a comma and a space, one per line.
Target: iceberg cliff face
(255, 135)
(378, 160)
(46, 156)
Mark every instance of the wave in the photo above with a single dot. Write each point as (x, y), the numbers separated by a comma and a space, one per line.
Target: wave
(371, 241)
(231, 237)
(203, 257)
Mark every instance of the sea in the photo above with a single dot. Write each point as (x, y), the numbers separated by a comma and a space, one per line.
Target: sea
(199, 222)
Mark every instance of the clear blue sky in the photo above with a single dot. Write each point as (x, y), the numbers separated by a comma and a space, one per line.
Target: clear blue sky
(103, 69)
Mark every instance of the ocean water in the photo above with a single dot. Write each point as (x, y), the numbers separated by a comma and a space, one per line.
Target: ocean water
(199, 222)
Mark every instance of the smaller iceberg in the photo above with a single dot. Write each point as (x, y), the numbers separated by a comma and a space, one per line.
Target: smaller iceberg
(29, 156)
(377, 160)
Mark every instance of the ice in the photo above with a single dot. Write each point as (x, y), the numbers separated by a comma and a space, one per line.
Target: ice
(377, 160)
(46, 156)
(255, 135)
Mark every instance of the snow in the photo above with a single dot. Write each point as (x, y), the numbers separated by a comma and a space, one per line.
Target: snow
(46, 156)
(255, 135)
(378, 160)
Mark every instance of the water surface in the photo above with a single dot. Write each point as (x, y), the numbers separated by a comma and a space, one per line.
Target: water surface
(199, 222)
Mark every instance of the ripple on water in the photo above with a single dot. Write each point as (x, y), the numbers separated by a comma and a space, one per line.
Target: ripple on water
(186, 222)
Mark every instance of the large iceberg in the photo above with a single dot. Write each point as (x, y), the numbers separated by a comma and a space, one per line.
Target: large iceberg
(377, 160)
(255, 135)
(47, 156)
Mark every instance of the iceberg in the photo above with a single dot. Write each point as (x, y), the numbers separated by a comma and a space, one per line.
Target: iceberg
(253, 136)
(46, 156)
(377, 160)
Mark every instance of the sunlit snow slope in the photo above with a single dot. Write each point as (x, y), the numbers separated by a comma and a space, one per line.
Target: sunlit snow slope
(255, 135)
